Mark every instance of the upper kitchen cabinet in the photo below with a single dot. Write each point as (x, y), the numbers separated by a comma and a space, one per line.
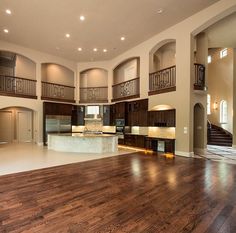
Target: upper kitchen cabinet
(78, 114)
(164, 118)
(137, 113)
(108, 115)
(120, 110)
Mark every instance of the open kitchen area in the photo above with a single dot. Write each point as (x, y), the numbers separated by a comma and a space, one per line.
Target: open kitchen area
(130, 121)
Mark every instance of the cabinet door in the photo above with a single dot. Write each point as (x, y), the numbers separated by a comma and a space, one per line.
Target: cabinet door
(106, 115)
(81, 115)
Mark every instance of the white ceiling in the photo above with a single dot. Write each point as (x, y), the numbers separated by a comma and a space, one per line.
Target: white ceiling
(42, 24)
(223, 34)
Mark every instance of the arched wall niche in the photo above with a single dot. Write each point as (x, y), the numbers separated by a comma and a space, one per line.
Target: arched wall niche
(18, 65)
(126, 70)
(56, 73)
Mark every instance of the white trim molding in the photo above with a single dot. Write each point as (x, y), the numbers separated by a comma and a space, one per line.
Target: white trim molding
(185, 154)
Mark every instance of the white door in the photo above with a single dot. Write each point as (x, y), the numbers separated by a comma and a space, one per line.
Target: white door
(6, 129)
(24, 126)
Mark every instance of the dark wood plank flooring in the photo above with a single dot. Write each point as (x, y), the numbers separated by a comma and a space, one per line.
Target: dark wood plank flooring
(127, 193)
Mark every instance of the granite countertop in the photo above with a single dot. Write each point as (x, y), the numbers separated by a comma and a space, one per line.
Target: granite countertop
(160, 138)
(88, 135)
(136, 134)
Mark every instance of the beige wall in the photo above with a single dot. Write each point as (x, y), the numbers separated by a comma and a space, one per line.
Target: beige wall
(25, 68)
(220, 86)
(94, 78)
(182, 99)
(126, 71)
(54, 73)
(164, 57)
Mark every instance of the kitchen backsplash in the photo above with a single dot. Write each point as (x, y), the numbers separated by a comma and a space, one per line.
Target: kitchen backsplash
(162, 132)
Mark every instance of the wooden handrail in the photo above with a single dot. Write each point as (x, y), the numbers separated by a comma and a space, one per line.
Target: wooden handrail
(162, 70)
(10, 76)
(57, 84)
(92, 87)
(125, 81)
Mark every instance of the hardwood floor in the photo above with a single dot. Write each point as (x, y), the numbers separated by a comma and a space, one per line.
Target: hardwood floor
(127, 193)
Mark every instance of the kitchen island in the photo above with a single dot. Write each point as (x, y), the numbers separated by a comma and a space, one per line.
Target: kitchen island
(83, 143)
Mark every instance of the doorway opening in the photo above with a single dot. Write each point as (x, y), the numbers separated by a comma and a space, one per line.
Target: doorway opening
(16, 125)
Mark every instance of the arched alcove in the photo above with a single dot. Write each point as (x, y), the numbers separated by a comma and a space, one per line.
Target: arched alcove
(162, 69)
(93, 85)
(126, 81)
(57, 82)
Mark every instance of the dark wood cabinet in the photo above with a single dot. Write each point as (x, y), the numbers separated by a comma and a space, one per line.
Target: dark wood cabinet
(50, 108)
(120, 110)
(108, 115)
(152, 144)
(134, 140)
(137, 113)
(78, 114)
(165, 118)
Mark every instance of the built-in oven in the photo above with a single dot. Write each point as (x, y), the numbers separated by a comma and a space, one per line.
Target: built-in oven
(120, 128)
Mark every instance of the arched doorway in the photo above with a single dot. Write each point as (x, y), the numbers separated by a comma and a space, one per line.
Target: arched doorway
(199, 129)
(16, 125)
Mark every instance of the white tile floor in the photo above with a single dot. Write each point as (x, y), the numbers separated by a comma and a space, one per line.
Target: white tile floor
(220, 153)
(21, 157)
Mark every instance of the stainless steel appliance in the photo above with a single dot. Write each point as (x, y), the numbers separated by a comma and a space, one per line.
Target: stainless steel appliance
(120, 128)
(58, 124)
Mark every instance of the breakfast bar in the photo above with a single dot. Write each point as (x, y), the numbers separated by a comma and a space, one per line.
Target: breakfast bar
(83, 143)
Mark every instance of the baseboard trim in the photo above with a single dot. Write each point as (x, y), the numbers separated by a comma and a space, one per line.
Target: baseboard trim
(40, 143)
(234, 146)
(185, 154)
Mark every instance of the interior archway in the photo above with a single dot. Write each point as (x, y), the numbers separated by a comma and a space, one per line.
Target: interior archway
(17, 125)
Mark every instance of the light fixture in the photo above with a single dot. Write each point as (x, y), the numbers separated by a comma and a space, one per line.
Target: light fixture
(159, 11)
(122, 38)
(215, 105)
(80, 49)
(104, 50)
(95, 49)
(6, 30)
(67, 35)
(82, 18)
(8, 11)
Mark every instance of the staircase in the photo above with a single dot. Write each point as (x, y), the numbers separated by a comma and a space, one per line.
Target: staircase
(218, 136)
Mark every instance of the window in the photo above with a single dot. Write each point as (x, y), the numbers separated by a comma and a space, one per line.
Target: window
(208, 104)
(223, 53)
(209, 59)
(223, 112)
(93, 109)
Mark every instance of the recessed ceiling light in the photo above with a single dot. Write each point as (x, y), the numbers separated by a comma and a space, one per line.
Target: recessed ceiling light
(122, 38)
(8, 11)
(6, 30)
(67, 35)
(82, 18)
(95, 49)
(79, 49)
(159, 11)
(104, 50)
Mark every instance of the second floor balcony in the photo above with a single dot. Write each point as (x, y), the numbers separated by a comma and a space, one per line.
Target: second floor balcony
(162, 81)
(126, 90)
(57, 92)
(17, 87)
(93, 94)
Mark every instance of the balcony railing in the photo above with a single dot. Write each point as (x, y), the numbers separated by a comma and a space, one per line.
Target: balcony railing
(18, 87)
(162, 81)
(93, 94)
(126, 90)
(57, 92)
(199, 83)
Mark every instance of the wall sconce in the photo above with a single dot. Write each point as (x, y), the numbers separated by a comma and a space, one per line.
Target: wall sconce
(215, 106)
